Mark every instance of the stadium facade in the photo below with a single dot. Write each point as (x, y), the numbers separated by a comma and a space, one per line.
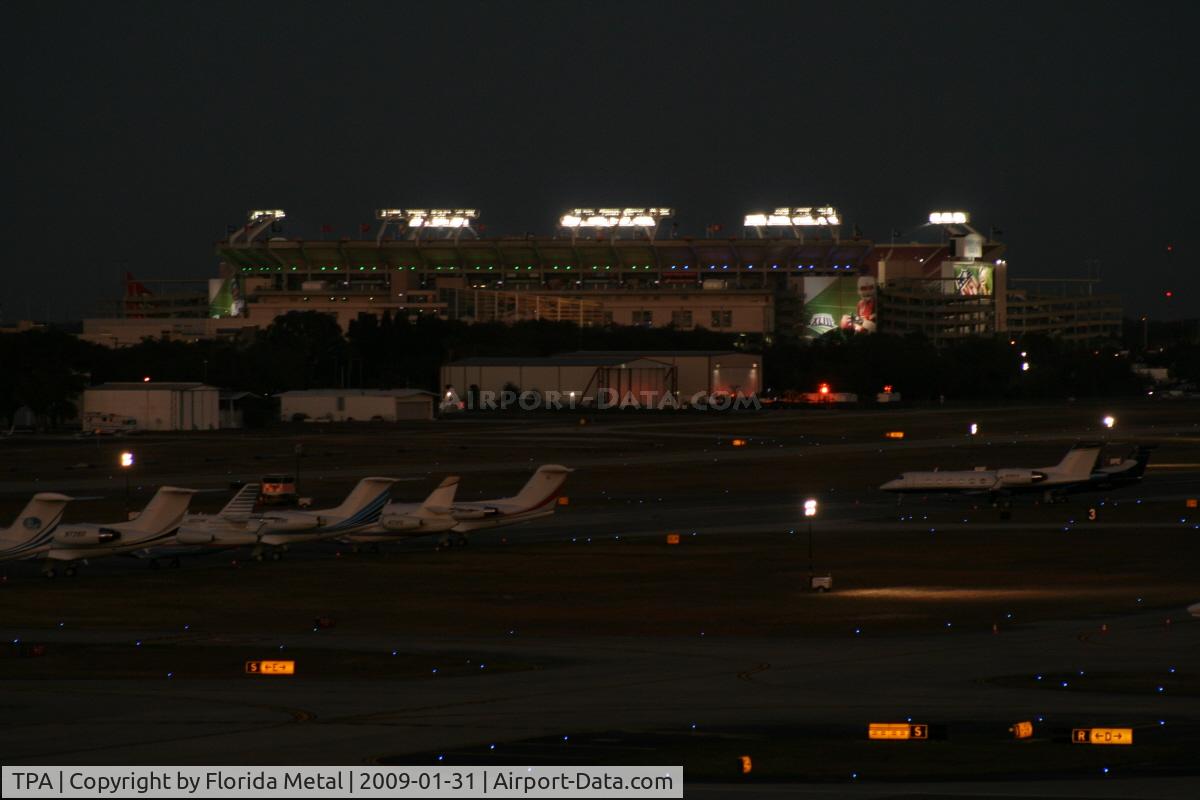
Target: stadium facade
(790, 281)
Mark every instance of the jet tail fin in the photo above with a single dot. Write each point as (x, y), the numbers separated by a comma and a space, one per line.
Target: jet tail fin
(1142, 456)
(164, 512)
(366, 499)
(41, 514)
(242, 503)
(1080, 460)
(441, 499)
(543, 487)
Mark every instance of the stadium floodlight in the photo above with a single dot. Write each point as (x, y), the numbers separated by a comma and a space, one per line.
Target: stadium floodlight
(440, 217)
(645, 219)
(613, 217)
(788, 216)
(259, 221)
(949, 217)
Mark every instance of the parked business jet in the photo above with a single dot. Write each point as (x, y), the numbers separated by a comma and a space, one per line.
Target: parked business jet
(157, 523)
(33, 528)
(1076, 468)
(401, 520)
(359, 510)
(197, 532)
(1117, 473)
(536, 499)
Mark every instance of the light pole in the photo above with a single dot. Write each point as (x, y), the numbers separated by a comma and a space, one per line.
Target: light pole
(126, 463)
(810, 511)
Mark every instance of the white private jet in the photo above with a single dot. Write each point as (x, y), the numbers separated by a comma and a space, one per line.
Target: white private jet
(439, 514)
(157, 523)
(537, 499)
(197, 532)
(1075, 468)
(33, 528)
(281, 528)
(401, 520)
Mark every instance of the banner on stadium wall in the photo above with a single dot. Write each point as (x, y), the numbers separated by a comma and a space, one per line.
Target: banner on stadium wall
(225, 298)
(974, 279)
(843, 302)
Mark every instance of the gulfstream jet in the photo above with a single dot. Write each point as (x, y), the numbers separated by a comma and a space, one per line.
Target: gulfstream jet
(1119, 472)
(359, 510)
(401, 520)
(157, 523)
(536, 499)
(31, 532)
(1076, 468)
(197, 532)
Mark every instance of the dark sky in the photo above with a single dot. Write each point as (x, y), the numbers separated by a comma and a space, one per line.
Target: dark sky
(137, 132)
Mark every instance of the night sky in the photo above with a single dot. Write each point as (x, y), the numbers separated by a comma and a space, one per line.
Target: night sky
(137, 132)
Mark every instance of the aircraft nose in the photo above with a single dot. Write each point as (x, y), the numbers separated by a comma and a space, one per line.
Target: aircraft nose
(891, 485)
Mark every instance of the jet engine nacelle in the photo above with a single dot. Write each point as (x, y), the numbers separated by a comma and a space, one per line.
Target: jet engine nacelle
(472, 513)
(1019, 477)
(293, 521)
(85, 535)
(399, 522)
(194, 536)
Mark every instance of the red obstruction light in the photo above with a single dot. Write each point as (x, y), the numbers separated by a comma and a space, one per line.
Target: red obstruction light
(823, 388)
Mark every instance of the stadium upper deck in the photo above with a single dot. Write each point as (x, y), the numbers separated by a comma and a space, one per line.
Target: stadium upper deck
(536, 260)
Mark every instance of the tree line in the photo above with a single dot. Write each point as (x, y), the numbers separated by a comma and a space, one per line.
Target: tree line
(47, 369)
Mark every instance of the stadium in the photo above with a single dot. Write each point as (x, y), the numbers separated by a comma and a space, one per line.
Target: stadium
(791, 273)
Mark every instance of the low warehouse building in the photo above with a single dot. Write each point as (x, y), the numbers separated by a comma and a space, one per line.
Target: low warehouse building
(569, 376)
(150, 406)
(355, 405)
(605, 378)
(714, 372)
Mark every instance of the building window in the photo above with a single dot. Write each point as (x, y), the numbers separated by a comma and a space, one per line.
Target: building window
(643, 317)
(681, 319)
(722, 319)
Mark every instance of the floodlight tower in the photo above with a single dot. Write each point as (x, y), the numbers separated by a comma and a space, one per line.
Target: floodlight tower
(443, 223)
(619, 220)
(956, 223)
(388, 217)
(259, 221)
(796, 219)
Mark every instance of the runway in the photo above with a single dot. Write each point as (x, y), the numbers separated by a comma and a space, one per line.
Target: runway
(588, 625)
(601, 684)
